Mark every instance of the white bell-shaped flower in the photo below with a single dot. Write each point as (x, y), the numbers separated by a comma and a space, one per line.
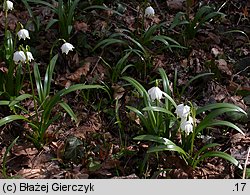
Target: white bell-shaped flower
(19, 56)
(156, 93)
(66, 47)
(29, 56)
(182, 111)
(187, 125)
(149, 11)
(23, 34)
(8, 5)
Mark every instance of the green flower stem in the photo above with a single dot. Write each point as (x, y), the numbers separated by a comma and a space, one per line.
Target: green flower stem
(192, 143)
(153, 120)
(157, 117)
(54, 44)
(193, 114)
(33, 91)
(6, 17)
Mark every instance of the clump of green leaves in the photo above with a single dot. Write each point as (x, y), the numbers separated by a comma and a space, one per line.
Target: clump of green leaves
(65, 15)
(156, 117)
(137, 46)
(44, 103)
(161, 123)
(11, 78)
(190, 26)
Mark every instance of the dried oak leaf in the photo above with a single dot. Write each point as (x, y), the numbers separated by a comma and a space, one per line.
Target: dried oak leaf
(82, 71)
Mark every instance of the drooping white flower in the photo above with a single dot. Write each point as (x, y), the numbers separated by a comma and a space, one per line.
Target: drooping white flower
(19, 56)
(29, 56)
(23, 34)
(8, 5)
(187, 125)
(149, 11)
(182, 111)
(156, 93)
(66, 47)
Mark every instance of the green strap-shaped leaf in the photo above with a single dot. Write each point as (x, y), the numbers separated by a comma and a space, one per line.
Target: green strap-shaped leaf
(139, 88)
(179, 19)
(212, 115)
(166, 144)
(48, 76)
(204, 148)
(219, 105)
(71, 12)
(211, 123)
(141, 116)
(169, 147)
(203, 10)
(48, 106)
(19, 98)
(51, 23)
(4, 169)
(52, 7)
(39, 85)
(165, 81)
(194, 78)
(67, 108)
(154, 138)
(150, 32)
(103, 8)
(158, 109)
(10, 118)
(220, 155)
(109, 41)
(4, 103)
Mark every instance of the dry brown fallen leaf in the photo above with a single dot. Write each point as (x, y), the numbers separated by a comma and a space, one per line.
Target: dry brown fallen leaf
(234, 86)
(19, 150)
(176, 4)
(82, 71)
(118, 91)
(223, 66)
(31, 173)
(130, 21)
(81, 26)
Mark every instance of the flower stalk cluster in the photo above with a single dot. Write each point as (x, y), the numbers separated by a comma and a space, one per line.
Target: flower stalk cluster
(187, 122)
